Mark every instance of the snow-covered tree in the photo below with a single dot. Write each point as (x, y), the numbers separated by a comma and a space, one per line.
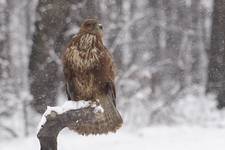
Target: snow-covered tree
(16, 22)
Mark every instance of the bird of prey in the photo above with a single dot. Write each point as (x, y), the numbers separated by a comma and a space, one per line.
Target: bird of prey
(89, 75)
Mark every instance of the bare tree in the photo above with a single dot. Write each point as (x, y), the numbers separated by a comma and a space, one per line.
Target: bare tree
(48, 41)
(54, 122)
(216, 54)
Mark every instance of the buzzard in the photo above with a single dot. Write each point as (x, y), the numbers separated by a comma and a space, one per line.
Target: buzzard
(89, 75)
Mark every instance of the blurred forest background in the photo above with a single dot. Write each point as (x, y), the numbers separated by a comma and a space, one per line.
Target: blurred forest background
(169, 53)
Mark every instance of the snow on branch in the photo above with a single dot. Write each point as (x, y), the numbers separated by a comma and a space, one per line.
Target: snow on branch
(56, 118)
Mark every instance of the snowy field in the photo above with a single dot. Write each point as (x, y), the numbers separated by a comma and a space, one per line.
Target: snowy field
(155, 138)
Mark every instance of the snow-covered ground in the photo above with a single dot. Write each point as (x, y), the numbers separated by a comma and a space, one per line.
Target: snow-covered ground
(154, 138)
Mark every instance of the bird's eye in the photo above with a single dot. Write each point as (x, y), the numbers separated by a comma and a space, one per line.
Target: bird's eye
(88, 24)
(100, 26)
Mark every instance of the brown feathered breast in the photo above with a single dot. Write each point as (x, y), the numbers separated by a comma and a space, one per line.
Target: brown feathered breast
(89, 66)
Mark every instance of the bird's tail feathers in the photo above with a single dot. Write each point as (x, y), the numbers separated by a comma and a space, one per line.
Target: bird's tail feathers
(108, 121)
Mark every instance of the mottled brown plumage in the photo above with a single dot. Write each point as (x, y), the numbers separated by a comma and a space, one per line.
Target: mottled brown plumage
(89, 73)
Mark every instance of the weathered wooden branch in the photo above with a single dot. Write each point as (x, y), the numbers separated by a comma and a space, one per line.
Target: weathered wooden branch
(48, 133)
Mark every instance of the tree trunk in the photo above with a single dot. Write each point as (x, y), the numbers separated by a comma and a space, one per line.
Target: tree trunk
(47, 135)
(44, 58)
(216, 54)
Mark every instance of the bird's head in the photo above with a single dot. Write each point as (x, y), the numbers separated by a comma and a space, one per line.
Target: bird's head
(92, 26)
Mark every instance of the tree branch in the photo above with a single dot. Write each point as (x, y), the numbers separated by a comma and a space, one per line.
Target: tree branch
(55, 122)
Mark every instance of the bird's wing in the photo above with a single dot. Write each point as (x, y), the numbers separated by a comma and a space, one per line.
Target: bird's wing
(68, 93)
(108, 68)
(111, 92)
(68, 74)
(70, 90)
